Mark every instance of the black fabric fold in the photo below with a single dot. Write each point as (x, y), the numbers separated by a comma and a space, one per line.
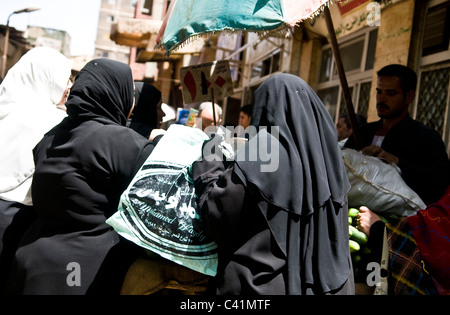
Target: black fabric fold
(310, 184)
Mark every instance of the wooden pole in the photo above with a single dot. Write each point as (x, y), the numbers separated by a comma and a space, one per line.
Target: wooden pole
(342, 78)
(213, 107)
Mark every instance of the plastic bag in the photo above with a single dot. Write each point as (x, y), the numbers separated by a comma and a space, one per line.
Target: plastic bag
(158, 209)
(379, 186)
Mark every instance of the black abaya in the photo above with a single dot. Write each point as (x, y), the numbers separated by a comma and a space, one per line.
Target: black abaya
(144, 117)
(82, 167)
(283, 231)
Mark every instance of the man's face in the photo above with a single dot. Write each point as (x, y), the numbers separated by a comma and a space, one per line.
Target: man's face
(208, 118)
(392, 101)
(343, 130)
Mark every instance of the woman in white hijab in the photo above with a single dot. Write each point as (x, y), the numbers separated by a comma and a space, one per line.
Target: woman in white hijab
(29, 96)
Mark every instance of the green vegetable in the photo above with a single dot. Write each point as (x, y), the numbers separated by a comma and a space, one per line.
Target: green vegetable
(357, 235)
(354, 247)
(350, 220)
(353, 212)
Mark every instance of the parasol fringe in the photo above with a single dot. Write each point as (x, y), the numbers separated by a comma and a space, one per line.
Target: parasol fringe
(313, 14)
(281, 31)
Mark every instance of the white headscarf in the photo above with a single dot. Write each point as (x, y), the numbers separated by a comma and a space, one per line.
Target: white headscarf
(28, 97)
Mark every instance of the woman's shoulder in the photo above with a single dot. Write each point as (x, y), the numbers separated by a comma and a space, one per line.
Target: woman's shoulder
(107, 137)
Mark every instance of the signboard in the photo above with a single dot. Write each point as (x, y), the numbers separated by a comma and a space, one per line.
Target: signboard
(345, 6)
(206, 82)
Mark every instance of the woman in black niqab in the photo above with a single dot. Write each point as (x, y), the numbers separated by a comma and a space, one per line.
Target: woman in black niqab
(145, 114)
(290, 228)
(82, 167)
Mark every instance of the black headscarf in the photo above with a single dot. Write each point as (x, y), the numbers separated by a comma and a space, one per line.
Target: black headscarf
(310, 184)
(145, 114)
(99, 95)
(83, 165)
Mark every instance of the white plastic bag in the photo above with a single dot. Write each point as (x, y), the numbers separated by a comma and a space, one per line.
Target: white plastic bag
(158, 209)
(379, 186)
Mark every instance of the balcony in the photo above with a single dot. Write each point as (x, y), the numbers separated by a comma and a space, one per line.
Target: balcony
(142, 33)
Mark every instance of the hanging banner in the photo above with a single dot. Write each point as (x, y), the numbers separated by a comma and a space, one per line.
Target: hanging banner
(206, 82)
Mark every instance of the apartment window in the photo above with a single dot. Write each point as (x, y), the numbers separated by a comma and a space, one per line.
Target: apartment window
(329, 98)
(351, 55)
(266, 66)
(358, 54)
(432, 104)
(147, 6)
(437, 28)
(433, 97)
(261, 69)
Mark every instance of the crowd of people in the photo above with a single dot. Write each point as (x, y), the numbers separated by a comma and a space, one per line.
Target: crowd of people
(67, 157)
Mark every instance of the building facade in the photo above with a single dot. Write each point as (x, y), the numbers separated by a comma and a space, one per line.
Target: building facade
(134, 32)
(48, 37)
(18, 45)
(148, 63)
(110, 12)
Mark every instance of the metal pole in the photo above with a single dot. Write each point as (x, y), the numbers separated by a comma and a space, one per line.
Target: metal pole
(342, 78)
(5, 44)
